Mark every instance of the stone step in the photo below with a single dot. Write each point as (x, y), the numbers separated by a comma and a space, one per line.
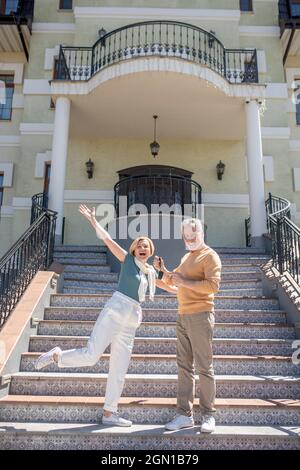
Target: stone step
(79, 287)
(80, 256)
(166, 315)
(84, 436)
(79, 268)
(111, 281)
(240, 250)
(98, 260)
(168, 329)
(246, 267)
(164, 301)
(254, 260)
(166, 364)
(80, 248)
(91, 276)
(151, 385)
(142, 410)
(276, 347)
(96, 276)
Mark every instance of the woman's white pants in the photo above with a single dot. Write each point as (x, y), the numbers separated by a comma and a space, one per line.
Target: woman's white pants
(115, 326)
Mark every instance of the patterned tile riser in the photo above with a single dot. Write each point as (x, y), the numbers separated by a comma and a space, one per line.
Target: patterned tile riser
(164, 316)
(79, 256)
(167, 347)
(252, 287)
(97, 261)
(168, 366)
(87, 269)
(80, 248)
(79, 289)
(57, 441)
(112, 277)
(61, 329)
(99, 302)
(147, 415)
(96, 387)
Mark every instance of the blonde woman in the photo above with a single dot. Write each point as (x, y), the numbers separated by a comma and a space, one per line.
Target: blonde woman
(117, 322)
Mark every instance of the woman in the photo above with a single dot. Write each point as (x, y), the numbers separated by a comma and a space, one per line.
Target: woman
(117, 322)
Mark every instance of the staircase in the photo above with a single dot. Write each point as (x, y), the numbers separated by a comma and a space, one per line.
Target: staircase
(258, 387)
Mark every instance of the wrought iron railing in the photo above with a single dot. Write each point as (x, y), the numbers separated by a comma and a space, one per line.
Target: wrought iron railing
(285, 236)
(151, 190)
(33, 251)
(275, 206)
(163, 39)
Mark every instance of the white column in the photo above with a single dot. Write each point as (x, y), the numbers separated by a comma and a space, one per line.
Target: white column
(255, 173)
(59, 160)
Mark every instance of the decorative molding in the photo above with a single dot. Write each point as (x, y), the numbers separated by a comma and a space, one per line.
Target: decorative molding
(260, 31)
(17, 68)
(7, 168)
(277, 91)
(80, 195)
(18, 101)
(49, 57)
(40, 160)
(268, 163)
(6, 212)
(10, 141)
(226, 200)
(180, 14)
(21, 203)
(275, 132)
(36, 87)
(296, 178)
(158, 64)
(62, 28)
(32, 128)
(294, 145)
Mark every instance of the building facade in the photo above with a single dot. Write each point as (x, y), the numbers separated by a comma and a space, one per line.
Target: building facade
(82, 80)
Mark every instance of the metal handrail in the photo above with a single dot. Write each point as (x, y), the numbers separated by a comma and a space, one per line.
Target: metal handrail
(32, 252)
(158, 38)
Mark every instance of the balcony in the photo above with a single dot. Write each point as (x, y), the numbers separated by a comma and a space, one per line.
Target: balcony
(161, 39)
(289, 21)
(16, 18)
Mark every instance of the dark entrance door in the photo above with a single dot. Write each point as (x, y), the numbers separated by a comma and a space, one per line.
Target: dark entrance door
(157, 184)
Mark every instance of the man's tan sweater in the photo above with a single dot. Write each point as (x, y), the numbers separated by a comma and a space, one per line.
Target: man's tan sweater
(203, 266)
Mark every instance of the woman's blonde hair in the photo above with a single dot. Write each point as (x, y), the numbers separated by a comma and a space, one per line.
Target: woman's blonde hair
(135, 242)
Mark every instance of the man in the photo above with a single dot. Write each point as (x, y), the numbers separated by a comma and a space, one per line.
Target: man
(197, 279)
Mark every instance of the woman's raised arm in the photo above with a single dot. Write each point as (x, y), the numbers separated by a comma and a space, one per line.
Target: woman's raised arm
(113, 246)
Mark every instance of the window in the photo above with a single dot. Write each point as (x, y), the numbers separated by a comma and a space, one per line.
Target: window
(295, 7)
(297, 94)
(1, 188)
(8, 6)
(246, 5)
(65, 4)
(47, 177)
(6, 96)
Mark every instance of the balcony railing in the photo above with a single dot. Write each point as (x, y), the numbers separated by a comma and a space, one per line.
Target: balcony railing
(151, 190)
(163, 39)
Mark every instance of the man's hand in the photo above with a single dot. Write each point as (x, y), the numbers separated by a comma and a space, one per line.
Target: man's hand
(177, 279)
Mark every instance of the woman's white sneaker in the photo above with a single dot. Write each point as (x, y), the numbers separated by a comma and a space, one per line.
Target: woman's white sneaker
(180, 422)
(208, 424)
(115, 420)
(46, 359)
